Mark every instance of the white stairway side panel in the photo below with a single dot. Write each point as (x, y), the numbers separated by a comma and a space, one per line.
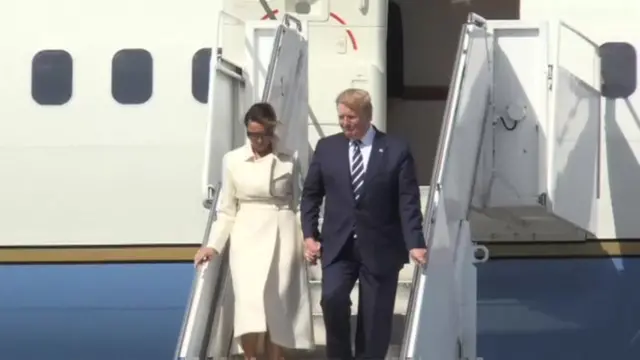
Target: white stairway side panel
(434, 332)
(260, 37)
(574, 128)
(466, 292)
(287, 92)
(438, 326)
(224, 106)
(467, 116)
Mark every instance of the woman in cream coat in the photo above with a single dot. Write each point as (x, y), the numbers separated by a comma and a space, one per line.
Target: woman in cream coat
(257, 212)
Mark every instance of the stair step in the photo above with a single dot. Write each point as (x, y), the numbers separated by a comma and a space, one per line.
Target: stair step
(321, 339)
(396, 334)
(400, 307)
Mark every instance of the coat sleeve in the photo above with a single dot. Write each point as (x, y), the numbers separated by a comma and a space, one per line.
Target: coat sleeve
(296, 184)
(409, 202)
(226, 210)
(313, 193)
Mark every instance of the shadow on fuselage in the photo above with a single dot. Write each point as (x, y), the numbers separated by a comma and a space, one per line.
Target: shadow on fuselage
(582, 306)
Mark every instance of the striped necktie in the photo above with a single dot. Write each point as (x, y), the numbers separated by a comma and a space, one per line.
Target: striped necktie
(357, 169)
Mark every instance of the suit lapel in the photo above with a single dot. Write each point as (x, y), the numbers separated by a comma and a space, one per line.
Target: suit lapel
(376, 160)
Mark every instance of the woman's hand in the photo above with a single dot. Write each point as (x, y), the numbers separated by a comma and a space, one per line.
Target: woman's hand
(311, 250)
(203, 255)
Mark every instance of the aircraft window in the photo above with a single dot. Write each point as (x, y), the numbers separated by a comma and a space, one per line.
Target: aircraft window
(52, 77)
(132, 76)
(200, 74)
(395, 52)
(618, 67)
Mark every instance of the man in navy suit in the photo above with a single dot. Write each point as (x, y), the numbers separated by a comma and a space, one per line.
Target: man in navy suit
(372, 225)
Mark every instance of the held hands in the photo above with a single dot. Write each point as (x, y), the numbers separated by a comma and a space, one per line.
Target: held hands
(419, 255)
(203, 255)
(311, 250)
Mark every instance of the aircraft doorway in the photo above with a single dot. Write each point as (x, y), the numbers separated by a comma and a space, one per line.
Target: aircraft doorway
(422, 40)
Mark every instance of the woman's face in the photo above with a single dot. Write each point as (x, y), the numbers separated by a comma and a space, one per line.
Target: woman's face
(259, 135)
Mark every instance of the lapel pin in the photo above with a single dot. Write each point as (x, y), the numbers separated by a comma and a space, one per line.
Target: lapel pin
(381, 150)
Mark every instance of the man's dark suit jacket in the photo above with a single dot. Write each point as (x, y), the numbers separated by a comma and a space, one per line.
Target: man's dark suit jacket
(386, 218)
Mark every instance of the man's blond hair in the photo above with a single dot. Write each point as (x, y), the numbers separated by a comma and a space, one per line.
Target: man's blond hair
(357, 100)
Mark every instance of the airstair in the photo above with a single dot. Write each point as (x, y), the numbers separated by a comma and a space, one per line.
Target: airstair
(519, 143)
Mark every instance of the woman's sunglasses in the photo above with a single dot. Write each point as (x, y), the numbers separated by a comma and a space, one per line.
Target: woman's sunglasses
(259, 135)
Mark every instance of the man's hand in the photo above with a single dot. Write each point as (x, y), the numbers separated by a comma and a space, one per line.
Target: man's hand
(311, 250)
(419, 255)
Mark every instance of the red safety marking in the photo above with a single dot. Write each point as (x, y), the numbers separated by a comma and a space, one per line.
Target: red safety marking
(266, 16)
(342, 22)
(334, 16)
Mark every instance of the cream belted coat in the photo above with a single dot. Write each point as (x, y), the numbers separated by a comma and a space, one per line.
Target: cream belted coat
(258, 214)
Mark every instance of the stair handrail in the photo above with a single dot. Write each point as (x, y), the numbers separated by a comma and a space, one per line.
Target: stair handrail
(203, 305)
(416, 294)
(217, 64)
(202, 313)
(201, 318)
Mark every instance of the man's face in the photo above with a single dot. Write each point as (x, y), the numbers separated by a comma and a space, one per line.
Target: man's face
(353, 126)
